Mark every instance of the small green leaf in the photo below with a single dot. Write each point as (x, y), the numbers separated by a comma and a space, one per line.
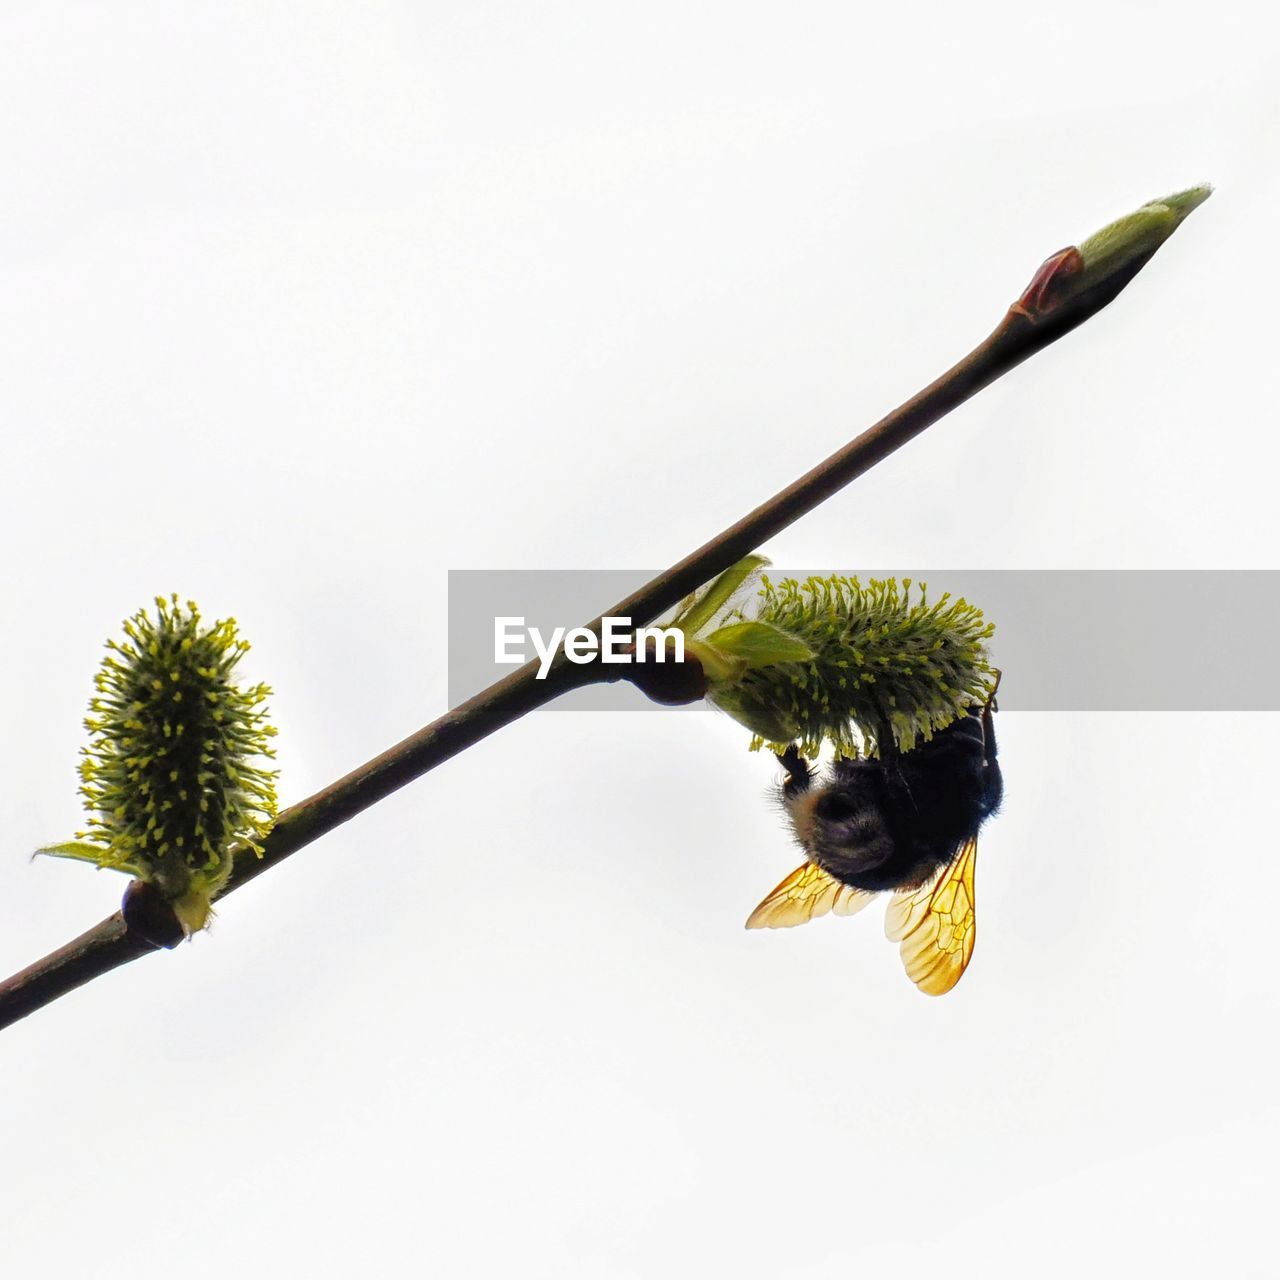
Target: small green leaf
(717, 665)
(760, 644)
(83, 851)
(764, 720)
(703, 605)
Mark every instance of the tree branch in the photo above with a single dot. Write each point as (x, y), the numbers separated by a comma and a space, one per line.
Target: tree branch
(1067, 290)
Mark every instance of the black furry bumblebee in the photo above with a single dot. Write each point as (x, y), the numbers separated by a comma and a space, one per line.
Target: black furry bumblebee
(906, 822)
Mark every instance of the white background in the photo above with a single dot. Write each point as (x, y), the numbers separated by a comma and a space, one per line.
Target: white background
(304, 305)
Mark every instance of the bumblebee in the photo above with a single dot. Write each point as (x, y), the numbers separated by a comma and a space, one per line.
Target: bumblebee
(905, 822)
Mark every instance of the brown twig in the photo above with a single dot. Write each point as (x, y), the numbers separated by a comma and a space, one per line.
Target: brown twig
(1062, 296)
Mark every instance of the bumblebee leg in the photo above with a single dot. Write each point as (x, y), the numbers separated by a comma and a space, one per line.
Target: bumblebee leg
(993, 780)
(988, 724)
(992, 786)
(797, 767)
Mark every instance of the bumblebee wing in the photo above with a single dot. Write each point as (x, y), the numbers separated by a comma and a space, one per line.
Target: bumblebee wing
(806, 893)
(934, 925)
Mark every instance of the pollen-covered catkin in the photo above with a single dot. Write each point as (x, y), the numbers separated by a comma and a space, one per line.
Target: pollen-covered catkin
(884, 662)
(175, 773)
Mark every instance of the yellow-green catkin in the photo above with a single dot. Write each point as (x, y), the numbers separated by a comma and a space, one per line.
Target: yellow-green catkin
(884, 663)
(175, 774)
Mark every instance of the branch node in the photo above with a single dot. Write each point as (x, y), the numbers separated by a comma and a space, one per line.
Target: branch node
(149, 917)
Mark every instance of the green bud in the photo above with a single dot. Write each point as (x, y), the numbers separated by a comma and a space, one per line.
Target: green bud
(1135, 236)
(173, 775)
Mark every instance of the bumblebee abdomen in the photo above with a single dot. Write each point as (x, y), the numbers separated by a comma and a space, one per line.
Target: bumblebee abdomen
(856, 849)
(843, 827)
(893, 824)
(896, 864)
